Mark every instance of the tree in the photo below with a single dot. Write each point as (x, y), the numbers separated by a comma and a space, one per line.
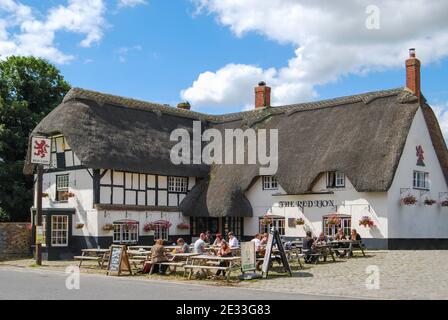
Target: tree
(29, 89)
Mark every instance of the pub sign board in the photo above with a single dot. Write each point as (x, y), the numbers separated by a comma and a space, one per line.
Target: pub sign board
(40, 150)
(118, 261)
(248, 256)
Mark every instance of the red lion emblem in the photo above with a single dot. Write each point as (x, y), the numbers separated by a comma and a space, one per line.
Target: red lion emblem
(41, 148)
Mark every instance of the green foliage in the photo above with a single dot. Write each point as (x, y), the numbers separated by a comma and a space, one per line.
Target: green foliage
(29, 89)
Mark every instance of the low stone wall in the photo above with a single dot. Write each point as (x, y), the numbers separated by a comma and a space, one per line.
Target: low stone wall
(15, 240)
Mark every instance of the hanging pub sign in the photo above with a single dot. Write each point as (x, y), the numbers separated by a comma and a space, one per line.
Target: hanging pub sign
(118, 261)
(307, 204)
(248, 257)
(40, 150)
(274, 235)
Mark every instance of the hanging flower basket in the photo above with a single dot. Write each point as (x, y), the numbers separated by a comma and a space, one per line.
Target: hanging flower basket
(266, 220)
(79, 225)
(444, 203)
(131, 225)
(108, 227)
(300, 222)
(366, 222)
(183, 226)
(151, 226)
(429, 202)
(333, 220)
(44, 195)
(409, 200)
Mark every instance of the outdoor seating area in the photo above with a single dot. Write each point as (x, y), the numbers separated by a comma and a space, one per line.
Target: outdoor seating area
(201, 260)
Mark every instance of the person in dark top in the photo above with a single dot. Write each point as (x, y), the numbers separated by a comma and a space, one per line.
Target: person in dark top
(354, 236)
(209, 237)
(309, 248)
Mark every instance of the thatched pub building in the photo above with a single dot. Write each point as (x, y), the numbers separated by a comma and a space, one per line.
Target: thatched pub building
(377, 157)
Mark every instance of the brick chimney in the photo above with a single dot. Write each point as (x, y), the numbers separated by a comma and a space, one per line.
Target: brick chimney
(262, 95)
(413, 73)
(184, 105)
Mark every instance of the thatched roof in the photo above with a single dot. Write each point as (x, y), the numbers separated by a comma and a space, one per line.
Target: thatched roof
(361, 135)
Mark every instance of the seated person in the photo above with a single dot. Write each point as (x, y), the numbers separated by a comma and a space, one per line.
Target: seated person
(183, 247)
(340, 235)
(257, 242)
(218, 240)
(309, 248)
(224, 251)
(158, 255)
(233, 241)
(322, 238)
(354, 235)
(264, 239)
(209, 238)
(199, 245)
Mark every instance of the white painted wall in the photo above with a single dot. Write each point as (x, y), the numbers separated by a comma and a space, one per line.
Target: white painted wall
(418, 221)
(261, 201)
(80, 183)
(349, 202)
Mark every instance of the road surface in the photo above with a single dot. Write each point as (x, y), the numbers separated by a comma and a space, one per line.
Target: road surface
(25, 284)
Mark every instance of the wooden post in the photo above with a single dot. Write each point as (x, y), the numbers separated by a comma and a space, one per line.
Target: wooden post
(39, 212)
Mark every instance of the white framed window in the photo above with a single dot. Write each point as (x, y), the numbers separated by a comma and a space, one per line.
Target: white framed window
(277, 223)
(59, 231)
(270, 183)
(331, 230)
(125, 232)
(421, 180)
(335, 179)
(177, 184)
(62, 187)
(161, 232)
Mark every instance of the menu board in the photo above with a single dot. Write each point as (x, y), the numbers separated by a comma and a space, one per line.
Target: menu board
(267, 255)
(273, 234)
(118, 260)
(248, 258)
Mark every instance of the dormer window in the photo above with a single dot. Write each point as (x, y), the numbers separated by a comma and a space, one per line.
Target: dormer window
(335, 179)
(270, 183)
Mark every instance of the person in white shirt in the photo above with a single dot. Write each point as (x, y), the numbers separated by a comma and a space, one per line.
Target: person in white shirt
(257, 242)
(233, 241)
(199, 245)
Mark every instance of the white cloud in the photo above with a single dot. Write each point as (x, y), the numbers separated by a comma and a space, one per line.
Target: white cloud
(331, 40)
(22, 33)
(130, 3)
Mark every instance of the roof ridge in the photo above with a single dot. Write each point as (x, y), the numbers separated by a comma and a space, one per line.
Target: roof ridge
(367, 97)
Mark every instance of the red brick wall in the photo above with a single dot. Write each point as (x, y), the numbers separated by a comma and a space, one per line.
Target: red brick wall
(15, 240)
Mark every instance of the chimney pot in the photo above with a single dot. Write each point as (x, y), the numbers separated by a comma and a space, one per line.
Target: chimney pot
(262, 95)
(413, 74)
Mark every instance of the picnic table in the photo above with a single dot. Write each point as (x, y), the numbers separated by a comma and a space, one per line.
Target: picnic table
(99, 255)
(348, 245)
(202, 262)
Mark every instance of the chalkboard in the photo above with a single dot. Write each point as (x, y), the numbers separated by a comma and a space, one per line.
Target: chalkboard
(273, 234)
(118, 260)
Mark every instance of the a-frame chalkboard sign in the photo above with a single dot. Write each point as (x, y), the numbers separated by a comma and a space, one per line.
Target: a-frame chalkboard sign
(274, 235)
(118, 261)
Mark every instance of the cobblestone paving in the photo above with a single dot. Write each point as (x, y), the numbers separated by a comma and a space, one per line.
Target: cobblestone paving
(402, 275)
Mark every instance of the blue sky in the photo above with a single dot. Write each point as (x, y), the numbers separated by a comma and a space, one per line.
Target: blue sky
(213, 53)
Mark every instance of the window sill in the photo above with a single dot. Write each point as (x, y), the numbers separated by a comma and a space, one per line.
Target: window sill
(423, 189)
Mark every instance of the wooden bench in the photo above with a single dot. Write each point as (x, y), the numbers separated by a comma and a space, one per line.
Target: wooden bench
(171, 265)
(192, 267)
(89, 258)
